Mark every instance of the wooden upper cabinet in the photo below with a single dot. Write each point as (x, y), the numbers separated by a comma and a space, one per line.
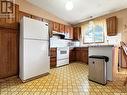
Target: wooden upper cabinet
(21, 14)
(111, 26)
(56, 26)
(11, 21)
(67, 29)
(50, 24)
(37, 18)
(69, 32)
(77, 33)
(62, 28)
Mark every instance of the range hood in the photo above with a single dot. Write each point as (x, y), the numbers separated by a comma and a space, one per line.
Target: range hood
(61, 35)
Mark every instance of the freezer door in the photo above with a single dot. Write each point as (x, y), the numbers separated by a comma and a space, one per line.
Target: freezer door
(34, 29)
(36, 59)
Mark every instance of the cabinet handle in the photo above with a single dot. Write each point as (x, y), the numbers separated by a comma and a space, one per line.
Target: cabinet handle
(93, 62)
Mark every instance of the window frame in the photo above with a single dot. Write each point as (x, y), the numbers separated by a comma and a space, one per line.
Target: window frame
(103, 35)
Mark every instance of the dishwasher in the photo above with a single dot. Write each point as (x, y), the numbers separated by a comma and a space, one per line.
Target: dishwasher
(97, 69)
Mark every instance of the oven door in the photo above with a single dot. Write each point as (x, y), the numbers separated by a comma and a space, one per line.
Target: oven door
(62, 53)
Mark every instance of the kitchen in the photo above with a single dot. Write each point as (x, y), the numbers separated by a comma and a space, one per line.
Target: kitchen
(69, 52)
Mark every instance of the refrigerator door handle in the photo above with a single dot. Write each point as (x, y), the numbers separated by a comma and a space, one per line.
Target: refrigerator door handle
(49, 48)
(49, 42)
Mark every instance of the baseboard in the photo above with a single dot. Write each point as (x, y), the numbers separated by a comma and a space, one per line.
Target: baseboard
(33, 78)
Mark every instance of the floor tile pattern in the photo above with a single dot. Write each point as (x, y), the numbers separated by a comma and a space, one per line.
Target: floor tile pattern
(67, 80)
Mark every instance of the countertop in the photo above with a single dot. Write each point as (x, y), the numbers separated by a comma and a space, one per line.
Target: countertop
(95, 46)
(89, 46)
(101, 46)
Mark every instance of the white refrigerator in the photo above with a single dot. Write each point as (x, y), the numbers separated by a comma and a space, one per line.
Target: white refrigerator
(34, 49)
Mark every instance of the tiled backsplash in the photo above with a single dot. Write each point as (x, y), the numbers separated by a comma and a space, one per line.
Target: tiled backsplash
(114, 40)
(57, 42)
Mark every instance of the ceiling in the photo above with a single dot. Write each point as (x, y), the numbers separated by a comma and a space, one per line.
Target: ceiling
(83, 9)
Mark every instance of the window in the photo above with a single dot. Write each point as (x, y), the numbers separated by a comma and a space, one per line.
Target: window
(93, 32)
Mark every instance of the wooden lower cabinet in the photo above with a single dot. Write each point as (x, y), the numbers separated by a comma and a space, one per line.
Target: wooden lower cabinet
(84, 56)
(53, 56)
(72, 55)
(79, 55)
(8, 52)
(53, 62)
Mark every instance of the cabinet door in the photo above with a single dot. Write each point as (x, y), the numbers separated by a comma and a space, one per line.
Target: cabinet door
(53, 52)
(85, 57)
(77, 33)
(9, 52)
(62, 28)
(53, 56)
(21, 14)
(50, 23)
(78, 55)
(111, 26)
(81, 54)
(9, 21)
(53, 62)
(14, 19)
(72, 56)
(56, 26)
(66, 29)
(84, 54)
(71, 32)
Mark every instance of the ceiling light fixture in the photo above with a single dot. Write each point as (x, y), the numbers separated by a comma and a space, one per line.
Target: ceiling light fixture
(69, 5)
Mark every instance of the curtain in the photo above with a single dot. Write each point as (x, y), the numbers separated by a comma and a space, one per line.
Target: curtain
(94, 31)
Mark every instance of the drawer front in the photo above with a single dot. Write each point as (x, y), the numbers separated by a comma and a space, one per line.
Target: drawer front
(53, 52)
(62, 62)
(53, 59)
(52, 62)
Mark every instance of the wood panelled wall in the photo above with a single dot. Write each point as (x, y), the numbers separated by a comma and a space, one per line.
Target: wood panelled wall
(9, 45)
(8, 52)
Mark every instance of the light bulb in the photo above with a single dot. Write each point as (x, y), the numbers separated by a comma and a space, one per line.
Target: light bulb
(69, 5)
